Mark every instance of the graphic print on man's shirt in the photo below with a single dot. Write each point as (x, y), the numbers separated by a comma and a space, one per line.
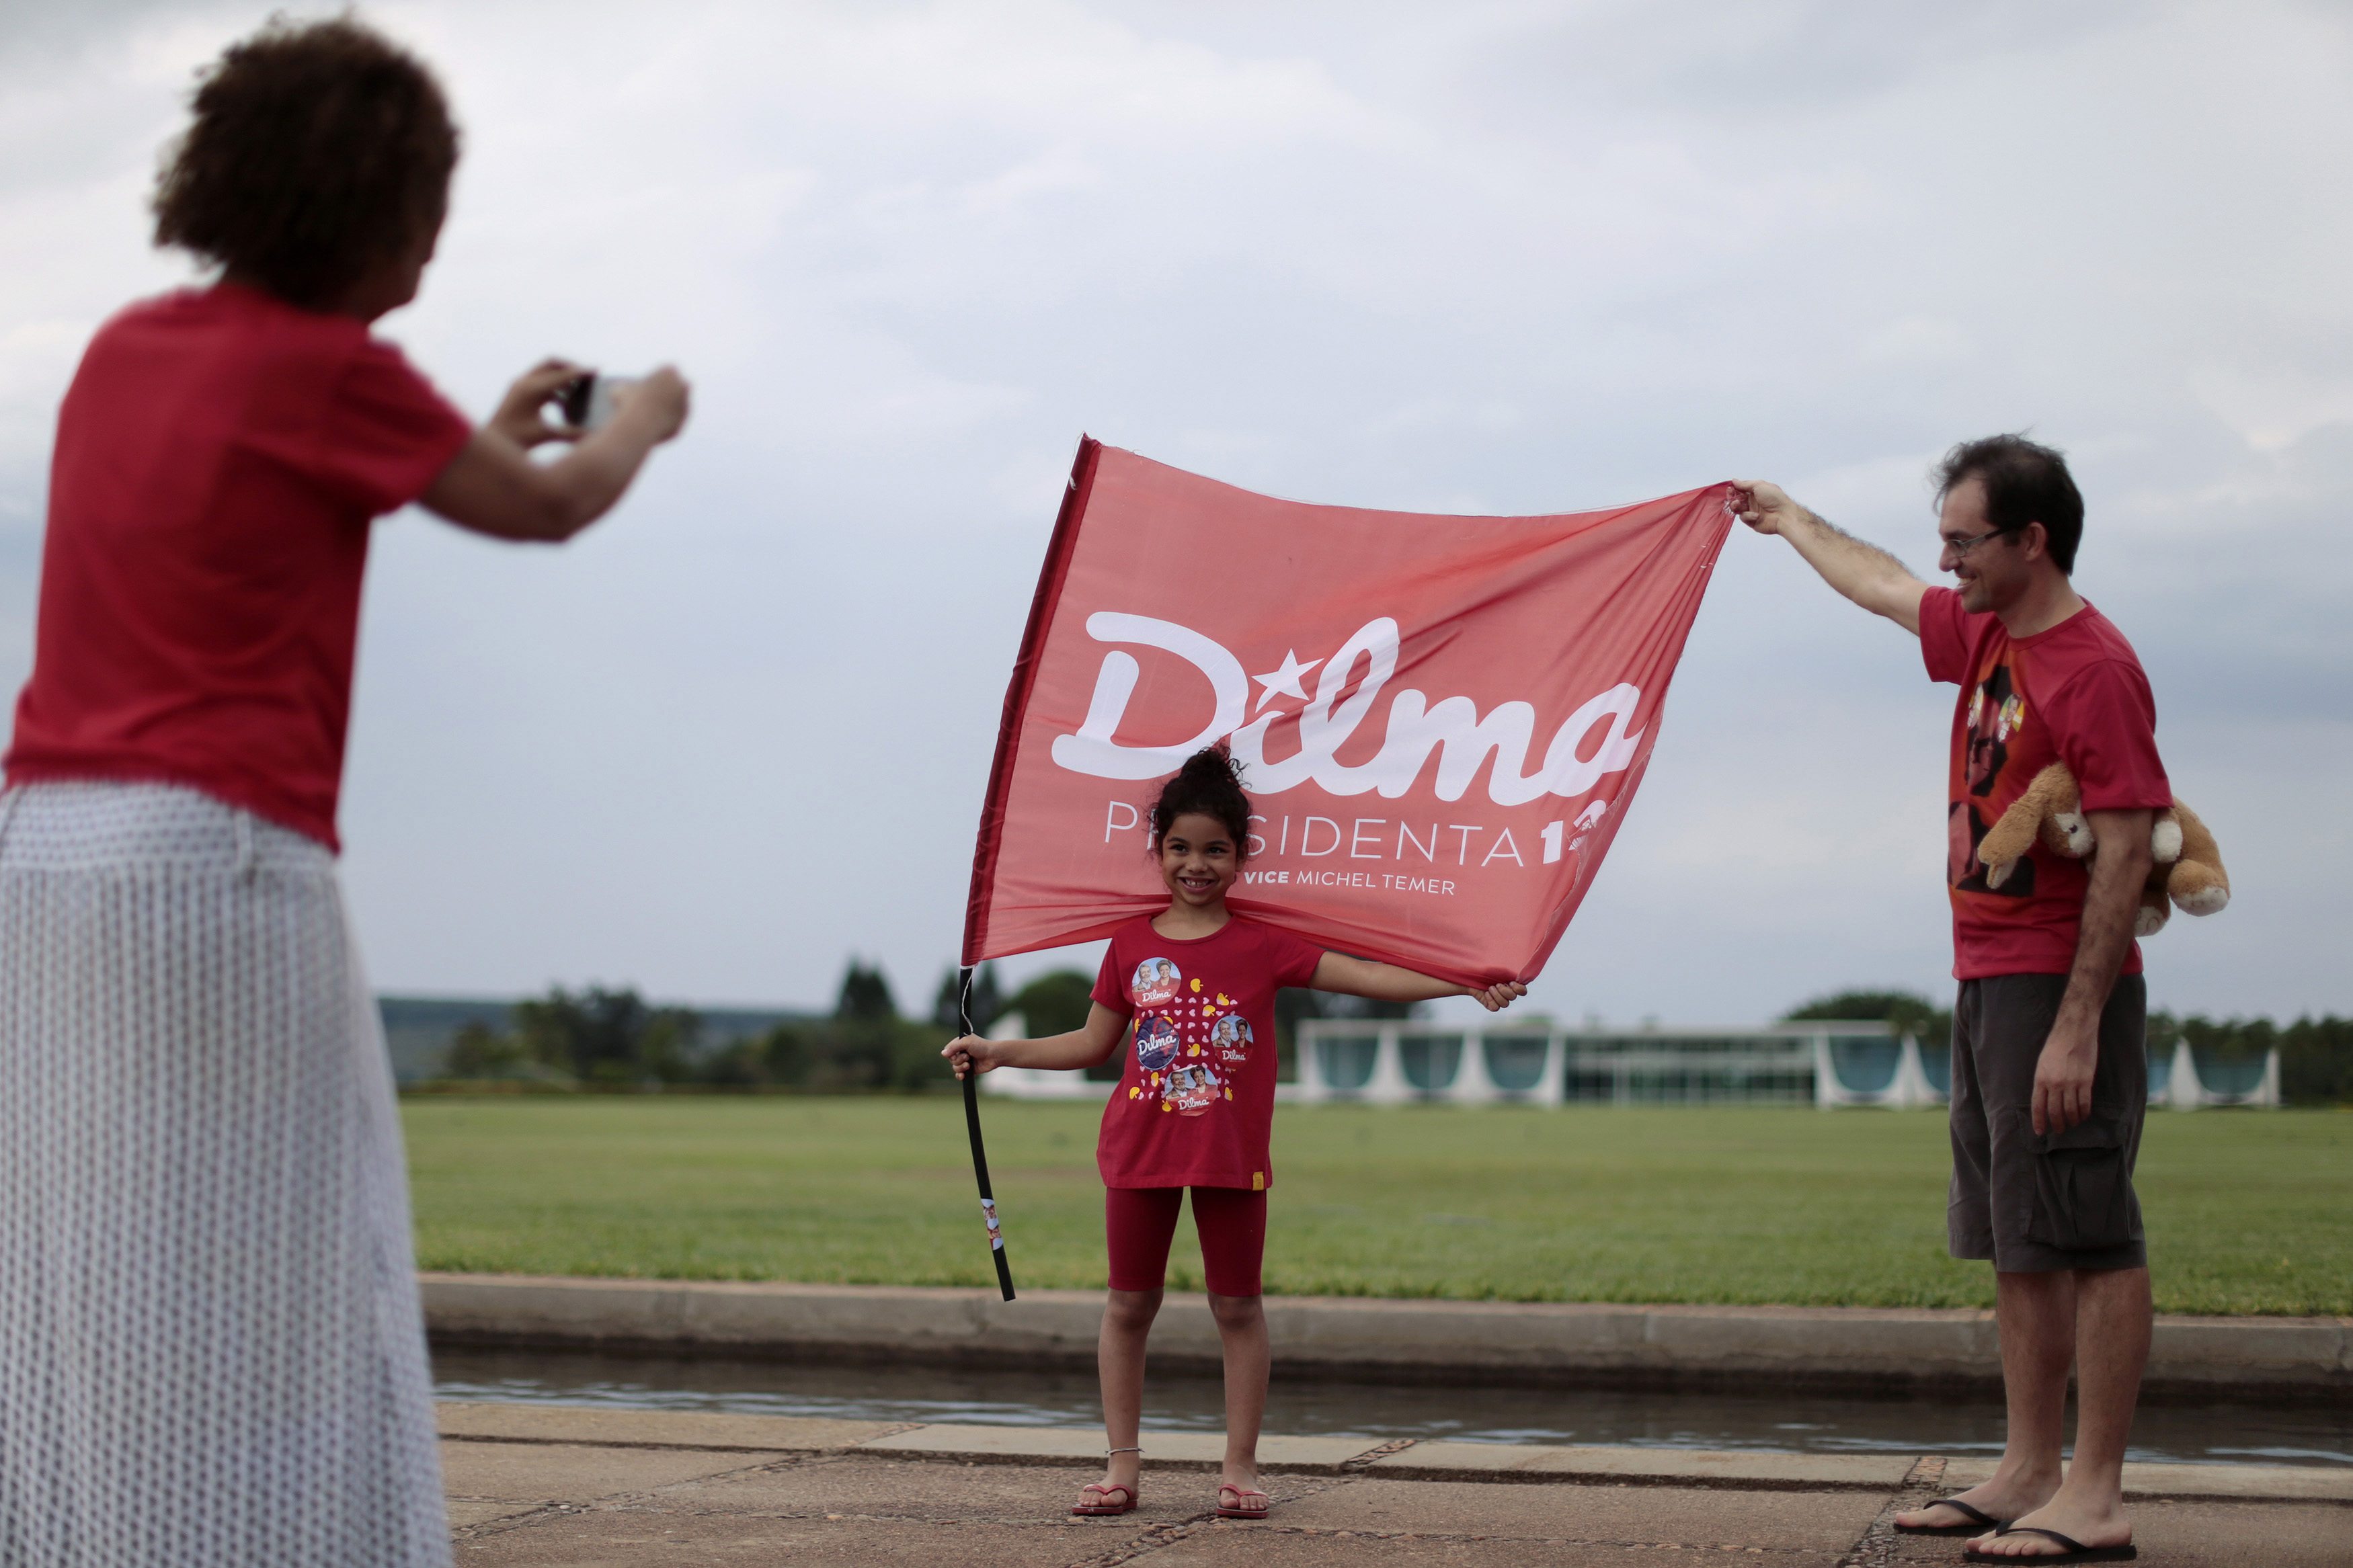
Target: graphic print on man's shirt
(1184, 1032)
(1997, 723)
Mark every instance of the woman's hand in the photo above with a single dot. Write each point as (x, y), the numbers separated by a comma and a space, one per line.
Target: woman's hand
(1496, 998)
(492, 486)
(522, 412)
(660, 399)
(970, 1053)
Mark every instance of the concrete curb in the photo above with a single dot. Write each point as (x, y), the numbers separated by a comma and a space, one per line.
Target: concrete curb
(1589, 1465)
(1874, 1348)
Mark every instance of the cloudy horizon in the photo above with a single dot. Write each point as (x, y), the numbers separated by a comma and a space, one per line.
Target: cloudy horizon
(1506, 258)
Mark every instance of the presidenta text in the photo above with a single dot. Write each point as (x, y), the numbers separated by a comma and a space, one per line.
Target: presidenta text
(1463, 740)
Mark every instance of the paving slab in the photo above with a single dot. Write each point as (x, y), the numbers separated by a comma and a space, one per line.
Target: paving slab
(1692, 1518)
(2282, 1483)
(1669, 1467)
(946, 1496)
(931, 1489)
(1038, 1445)
(1084, 1446)
(2206, 1535)
(487, 1420)
(464, 1511)
(1252, 1547)
(633, 1538)
(535, 1473)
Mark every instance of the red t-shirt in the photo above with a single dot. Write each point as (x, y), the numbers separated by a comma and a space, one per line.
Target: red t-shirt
(1195, 1104)
(2072, 694)
(219, 457)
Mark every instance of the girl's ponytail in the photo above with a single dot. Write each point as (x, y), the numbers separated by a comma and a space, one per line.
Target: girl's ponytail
(1210, 785)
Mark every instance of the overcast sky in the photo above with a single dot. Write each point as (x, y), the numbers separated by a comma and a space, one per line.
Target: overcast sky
(1508, 257)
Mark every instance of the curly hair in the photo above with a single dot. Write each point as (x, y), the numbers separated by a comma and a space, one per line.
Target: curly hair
(1208, 784)
(318, 150)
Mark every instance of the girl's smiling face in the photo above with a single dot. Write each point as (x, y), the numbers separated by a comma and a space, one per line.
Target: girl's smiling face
(1198, 860)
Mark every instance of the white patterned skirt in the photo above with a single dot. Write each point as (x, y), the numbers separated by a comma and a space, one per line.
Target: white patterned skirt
(210, 1348)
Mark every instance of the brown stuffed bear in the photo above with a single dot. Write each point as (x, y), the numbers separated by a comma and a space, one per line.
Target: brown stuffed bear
(2188, 863)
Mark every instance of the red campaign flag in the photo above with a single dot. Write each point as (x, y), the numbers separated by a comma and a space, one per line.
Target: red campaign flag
(1441, 720)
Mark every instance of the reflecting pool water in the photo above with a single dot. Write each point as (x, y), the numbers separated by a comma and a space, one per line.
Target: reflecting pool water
(1790, 1422)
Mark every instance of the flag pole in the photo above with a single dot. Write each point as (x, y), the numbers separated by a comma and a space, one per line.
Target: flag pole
(992, 811)
(980, 1154)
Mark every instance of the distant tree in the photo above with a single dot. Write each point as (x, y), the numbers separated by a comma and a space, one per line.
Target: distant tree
(859, 1048)
(2315, 1054)
(785, 1054)
(1908, 1011)
(777, 1059)
(478, 1051)
(2316, 1061)
(917, 1063)
(2232, 1039)
(1055, 1002)
(608, 1037)
(986, 1003)
(737, 1065)
(865, 994)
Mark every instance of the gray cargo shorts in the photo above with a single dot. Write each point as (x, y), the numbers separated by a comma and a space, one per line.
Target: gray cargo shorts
(2032, 1203)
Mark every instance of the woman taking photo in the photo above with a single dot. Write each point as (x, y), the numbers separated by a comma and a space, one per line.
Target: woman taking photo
(210, 1348)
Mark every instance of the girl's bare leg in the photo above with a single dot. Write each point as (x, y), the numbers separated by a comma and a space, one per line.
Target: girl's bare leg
(1119, 1356)
(1241, 1325)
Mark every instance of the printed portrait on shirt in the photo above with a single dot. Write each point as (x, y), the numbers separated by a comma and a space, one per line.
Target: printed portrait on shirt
(1997, 713)
(1154, 983)
(1192, 1088)
(1157, 1042)
(1231, 1037)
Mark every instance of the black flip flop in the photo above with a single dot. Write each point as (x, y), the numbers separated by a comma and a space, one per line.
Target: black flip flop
(1984, 1521)
(2076, 1550)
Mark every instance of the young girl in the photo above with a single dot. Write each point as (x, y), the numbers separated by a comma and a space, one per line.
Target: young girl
(1193, 1108)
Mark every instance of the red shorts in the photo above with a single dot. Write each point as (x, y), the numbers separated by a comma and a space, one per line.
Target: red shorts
(1140, 1222)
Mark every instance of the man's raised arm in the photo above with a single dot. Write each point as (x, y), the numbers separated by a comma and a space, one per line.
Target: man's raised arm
(1863, 572)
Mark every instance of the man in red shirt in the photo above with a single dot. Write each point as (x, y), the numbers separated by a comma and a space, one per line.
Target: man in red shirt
(2049, 1074)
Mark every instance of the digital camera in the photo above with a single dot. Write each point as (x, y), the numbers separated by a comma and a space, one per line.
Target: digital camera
(586, 401)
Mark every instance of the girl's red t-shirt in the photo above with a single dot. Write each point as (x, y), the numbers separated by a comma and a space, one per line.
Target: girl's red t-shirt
(1195, 1105)
(219, 457)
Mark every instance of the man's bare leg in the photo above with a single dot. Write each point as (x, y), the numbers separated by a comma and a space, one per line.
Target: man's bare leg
(1119, 1356)
(2111, 1331)
(2036, 1316)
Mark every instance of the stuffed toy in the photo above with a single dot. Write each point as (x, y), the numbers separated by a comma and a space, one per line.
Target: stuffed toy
(2188, 863)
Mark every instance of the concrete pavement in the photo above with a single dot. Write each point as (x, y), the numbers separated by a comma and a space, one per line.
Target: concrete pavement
(614, 1489)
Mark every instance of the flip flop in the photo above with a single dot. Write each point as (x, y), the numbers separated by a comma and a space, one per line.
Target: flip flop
(2071, 1550)
(1107, 1508)
(1242, 1506)
(1984, 1521)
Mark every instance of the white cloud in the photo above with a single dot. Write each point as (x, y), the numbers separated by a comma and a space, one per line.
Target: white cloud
(2278, 405)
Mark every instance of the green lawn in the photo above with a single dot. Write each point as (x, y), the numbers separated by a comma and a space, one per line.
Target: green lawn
(2247, 1212)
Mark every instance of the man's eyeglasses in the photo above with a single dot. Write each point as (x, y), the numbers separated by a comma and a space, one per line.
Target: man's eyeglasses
(1962, 547)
